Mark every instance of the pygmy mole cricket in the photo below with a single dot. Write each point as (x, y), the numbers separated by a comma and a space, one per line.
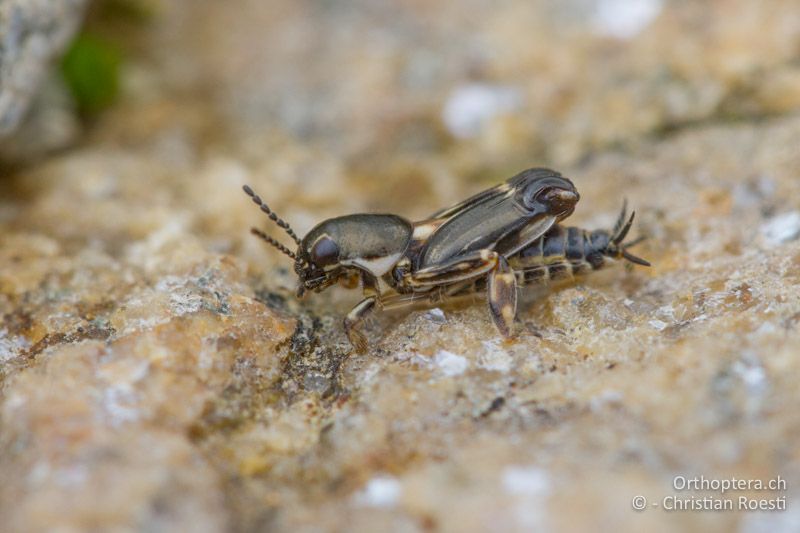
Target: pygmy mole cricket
(491, 243)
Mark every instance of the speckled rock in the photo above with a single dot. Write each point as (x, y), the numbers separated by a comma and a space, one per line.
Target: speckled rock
(32, 33)
(157, 373)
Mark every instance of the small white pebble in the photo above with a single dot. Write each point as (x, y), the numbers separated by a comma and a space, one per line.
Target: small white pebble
(751, 372)
(120, 403)
(371, 371)
(449, 363)
(667, 311)
(470, 107)
(625, 18)
(605, 398)
(658, 324)
(494, 357)
(436, 315)
(526, 480)
(380, 491)
(753, 377)
(766, 328)
(70, 476)
(10, 347)
(782, 228)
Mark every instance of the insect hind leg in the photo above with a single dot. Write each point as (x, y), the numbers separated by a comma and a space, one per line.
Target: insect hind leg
(502, 296)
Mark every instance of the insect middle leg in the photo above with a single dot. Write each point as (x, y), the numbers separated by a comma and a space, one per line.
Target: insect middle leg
(501, 287)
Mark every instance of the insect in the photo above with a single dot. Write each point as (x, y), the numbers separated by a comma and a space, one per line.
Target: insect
(490, 243)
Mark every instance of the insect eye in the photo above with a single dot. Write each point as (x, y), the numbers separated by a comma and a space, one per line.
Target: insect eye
(324, 252)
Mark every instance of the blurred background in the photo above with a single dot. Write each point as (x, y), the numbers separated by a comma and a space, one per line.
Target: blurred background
(127, 128)
(401, 106)
(393, 91)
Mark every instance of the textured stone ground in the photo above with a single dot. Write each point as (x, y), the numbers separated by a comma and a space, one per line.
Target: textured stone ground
(157, 374)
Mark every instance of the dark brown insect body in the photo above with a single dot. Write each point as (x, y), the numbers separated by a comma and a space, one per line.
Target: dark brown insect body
(491, 243)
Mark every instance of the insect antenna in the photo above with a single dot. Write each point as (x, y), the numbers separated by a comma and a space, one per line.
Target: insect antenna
(275, 218)
(273, 242)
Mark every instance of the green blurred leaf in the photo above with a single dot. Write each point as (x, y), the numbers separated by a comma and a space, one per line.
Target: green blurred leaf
(91, 70)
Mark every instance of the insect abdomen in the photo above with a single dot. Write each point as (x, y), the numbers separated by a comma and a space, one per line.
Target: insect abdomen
(561, 253)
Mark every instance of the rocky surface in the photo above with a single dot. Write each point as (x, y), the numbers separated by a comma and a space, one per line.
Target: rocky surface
(157, 374)
(34, 33)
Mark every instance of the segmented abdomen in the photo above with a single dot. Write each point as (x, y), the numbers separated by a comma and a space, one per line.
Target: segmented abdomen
(560, 253)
